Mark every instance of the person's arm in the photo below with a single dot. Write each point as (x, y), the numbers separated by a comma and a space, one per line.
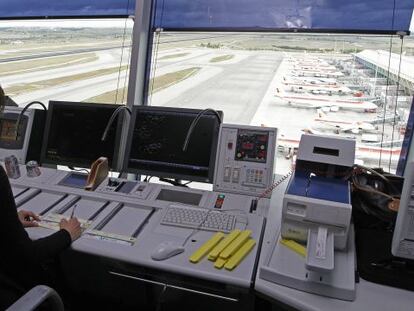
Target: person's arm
(15, 239)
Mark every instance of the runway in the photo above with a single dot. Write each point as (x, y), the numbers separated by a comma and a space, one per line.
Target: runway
(242, 85)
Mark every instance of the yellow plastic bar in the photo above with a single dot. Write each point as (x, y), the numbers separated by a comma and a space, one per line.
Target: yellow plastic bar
(223, 244)
(236, 244)
(206, 247)
(219, 263)
(294, 246)
(234, 260)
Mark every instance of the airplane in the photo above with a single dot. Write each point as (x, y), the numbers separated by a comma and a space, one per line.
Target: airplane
(388, 143)
(321, 90)
(388, 118)
(316, 73)
(366, 153)
(314, 131)
(310, 81)
(339, 126)
(326, 103)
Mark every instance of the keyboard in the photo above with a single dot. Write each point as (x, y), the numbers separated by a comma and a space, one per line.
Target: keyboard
(201, 218)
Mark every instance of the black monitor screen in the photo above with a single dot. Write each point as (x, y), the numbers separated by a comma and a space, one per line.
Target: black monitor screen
(73, 133)
(155, 143)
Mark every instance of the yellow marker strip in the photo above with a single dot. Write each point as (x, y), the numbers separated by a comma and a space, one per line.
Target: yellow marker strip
(220, 263)
(223, 244)
(234, 260)
(294, 246)
(236, 244)
(206, 247)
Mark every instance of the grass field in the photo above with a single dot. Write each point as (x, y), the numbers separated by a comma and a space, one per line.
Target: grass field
(26, 66)
(27, 87)
(221, 58)
(173, 56)
(110, 97)
(156, 85)
(168, 79)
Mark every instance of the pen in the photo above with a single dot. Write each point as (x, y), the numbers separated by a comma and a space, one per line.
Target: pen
(73, 211)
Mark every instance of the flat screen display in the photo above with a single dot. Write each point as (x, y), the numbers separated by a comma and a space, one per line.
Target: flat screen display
(73, 133)
(156, 138)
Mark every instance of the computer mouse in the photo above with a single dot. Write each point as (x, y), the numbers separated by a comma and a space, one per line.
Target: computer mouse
(166, 250)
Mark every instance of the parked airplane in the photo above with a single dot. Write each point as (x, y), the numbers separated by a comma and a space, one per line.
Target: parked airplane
(338, 125)
(321, 90)
(367, 153)
(316, 73)
(326, 82)
(326, 103)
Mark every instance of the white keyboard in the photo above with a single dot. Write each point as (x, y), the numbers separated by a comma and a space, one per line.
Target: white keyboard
(201, 218)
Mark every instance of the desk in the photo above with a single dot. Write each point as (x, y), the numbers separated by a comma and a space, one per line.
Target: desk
(369, 296)
(129, 269)
(96, 261)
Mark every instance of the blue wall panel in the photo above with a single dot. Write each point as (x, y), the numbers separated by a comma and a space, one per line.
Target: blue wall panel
(61, 8)
(366, 15)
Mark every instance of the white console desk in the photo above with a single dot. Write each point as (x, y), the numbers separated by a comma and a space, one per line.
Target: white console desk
(369, 296)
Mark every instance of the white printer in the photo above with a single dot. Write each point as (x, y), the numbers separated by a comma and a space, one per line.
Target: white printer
(317, 214)
(317, 204)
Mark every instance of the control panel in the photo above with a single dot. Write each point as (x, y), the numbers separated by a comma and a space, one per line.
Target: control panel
(245, 159)
(139, 190)
(27, 142)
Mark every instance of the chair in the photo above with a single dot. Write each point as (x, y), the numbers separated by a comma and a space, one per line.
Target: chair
(35, 297)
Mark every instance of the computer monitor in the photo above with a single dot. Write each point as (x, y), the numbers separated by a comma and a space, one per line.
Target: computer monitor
(403, 239)
(27, 144)
(155, 143)
(73, 134)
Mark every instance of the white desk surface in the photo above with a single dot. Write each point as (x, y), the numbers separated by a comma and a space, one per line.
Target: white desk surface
(369, 296)
(152, 233)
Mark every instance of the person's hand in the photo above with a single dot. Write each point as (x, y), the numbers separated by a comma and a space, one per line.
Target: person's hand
(72, 226)
(28, 218)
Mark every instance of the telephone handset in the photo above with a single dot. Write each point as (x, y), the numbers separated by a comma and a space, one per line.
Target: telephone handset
(99, 171)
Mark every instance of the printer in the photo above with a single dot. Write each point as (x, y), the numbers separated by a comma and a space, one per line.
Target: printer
(314, 249)
(317, 204)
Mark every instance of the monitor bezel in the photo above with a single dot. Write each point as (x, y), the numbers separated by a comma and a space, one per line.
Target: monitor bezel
(52, 104)
(163, 174)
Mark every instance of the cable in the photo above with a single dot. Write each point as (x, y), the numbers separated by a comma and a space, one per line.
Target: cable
(112, 118)
(194, 123)
(275, 184)
(161, 298)
(127, 75)
(396, 102)
(78, 169)
(22, 112)
(386, 88)
(172, 182)
(155, 62)
(122, 55)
